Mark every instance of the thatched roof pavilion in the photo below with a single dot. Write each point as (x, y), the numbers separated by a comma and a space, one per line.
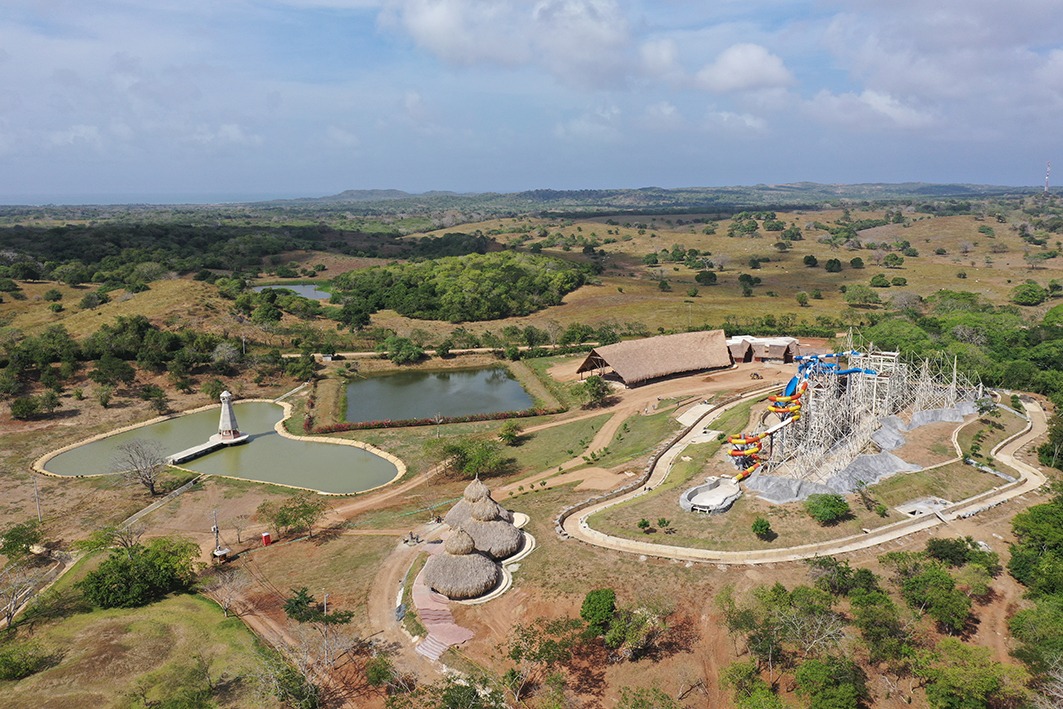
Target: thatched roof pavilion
(461, 572)
(474, 492)
(766, 349)
(492, 535)
(637, 361)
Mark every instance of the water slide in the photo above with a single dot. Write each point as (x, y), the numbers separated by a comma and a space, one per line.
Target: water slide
(746, 447)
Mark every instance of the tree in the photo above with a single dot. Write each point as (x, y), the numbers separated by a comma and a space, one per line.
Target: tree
(112, 371)
(140, 461)
(401, 350)
(472, 457)
(749, 689)
(300, 511)
(934, 591)
(893, 260)
(1028, 293)
(644, 525)
(858, 294)
(25, 407)
(762, 528)
(593, 392)
(802, 299)
(15, 542)
(827, 508)
(705, 278)
(302, 608)
(142, 574)
(856, 263)
(645, 698)
(833, 265)
(831, 683)
(810, 261)
(510, 433)
(16, 582)
(537, 649)
(156, 396)
(599, 607)
(227, 585)
(962, 676)
(104, 392)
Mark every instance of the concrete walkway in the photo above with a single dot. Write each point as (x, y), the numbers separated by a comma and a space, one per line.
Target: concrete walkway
(1031, 478)
(434, 611)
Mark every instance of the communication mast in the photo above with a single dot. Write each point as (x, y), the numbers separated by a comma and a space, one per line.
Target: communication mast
(1048, 172)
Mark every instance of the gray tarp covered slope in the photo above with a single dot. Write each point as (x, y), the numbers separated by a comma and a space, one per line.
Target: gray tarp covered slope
(637, 361)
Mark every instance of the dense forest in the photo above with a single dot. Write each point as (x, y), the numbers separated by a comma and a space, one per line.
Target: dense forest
(458, 289)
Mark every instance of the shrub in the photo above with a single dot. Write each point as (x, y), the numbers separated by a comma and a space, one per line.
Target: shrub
(762, 528)
(599, 607)
(1028, 293)
(827, 508)
(810, 261)
(20, 660)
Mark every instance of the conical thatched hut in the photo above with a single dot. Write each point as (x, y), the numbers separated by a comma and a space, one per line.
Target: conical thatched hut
(492, 535)
(474, 492)
(461, 572)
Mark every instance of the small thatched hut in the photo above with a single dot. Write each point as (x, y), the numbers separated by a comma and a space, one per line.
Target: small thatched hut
(474, 492)
(492, 535)
(461, 572)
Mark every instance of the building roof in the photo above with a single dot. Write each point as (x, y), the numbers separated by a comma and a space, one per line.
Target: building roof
(460, 572)
(637, 361)
(764, 347)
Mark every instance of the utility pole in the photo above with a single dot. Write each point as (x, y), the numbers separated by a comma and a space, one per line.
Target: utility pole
(37, 499)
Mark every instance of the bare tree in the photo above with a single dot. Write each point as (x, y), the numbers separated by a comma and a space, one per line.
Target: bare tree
(1050, 691)
(239, 524)
(140, 461)
(16, 582)
(227, 585)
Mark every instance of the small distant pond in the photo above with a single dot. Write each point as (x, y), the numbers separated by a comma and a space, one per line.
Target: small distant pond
(307, 290)
(420, 395)
(267, 457)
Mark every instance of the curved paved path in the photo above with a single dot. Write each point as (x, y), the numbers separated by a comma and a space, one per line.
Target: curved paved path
(1031, 478)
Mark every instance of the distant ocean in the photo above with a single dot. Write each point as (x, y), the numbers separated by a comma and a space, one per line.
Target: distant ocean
(144, 198)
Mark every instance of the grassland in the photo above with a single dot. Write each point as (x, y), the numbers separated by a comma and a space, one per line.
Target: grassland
(136, 657)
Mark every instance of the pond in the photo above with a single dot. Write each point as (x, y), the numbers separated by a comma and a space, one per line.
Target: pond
(421, 395)
(267, 457)
(307, 290)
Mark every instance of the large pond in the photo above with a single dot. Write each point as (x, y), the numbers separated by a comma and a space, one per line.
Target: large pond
(267, 457)
(421, 395)
(307, 290)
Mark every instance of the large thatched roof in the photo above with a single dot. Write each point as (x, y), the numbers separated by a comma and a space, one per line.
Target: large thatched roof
(475, 492)
(460, 572)
(496, 538)
(780, 348)
(637, 361)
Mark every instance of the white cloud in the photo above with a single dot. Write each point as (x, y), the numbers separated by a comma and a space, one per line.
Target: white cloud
(580, 41)
(599, 125)
(224, 134)
(868, 111)
(737, 122)
(660, 58)
(79, 134)
(342, 138)
(745, 67)
(662, 116)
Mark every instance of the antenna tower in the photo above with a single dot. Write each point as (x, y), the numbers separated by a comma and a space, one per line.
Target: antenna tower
(1048, 172)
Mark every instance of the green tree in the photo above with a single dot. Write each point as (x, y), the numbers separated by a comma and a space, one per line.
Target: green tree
(141, 574)
(962, 676)
(510, 433)
(25, 407)
(15, 541)
(598, 609)
(705, 278)
(112, 371)
(1028, 293)
(762, 528)
(833, 265)
(302, 608)
(827, 508)
(593, 392)
(858, 294)
(856, 263)
(802, 299)
(831, 683)
(401, 350)
(893, 260)
(645, 698)
(810, 261)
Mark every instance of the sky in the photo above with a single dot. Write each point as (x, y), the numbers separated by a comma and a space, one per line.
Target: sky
(194, 99)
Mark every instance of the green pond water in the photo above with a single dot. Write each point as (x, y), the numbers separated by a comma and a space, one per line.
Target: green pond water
(267, 457)
(421, 395)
